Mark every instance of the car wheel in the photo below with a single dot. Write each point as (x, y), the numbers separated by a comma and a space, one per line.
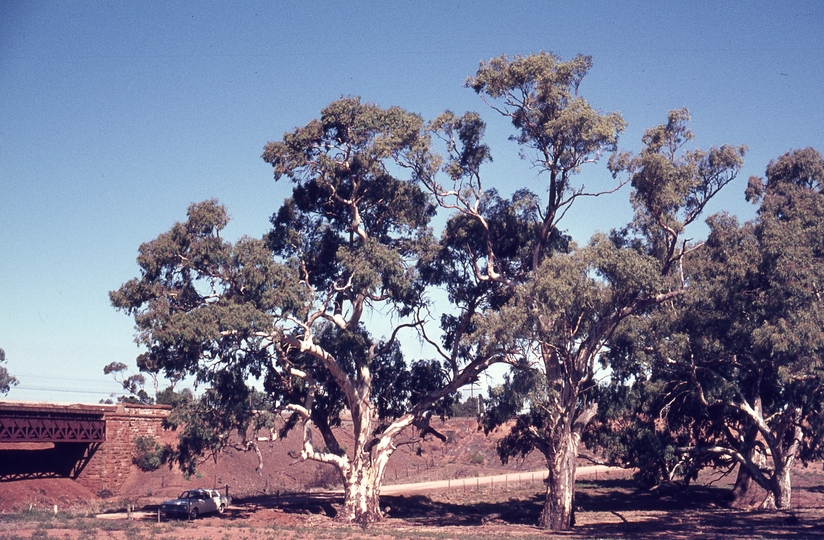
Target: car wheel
(193, 513)
(221, 508)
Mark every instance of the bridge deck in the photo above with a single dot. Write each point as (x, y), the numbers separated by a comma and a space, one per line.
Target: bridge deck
(51, 424)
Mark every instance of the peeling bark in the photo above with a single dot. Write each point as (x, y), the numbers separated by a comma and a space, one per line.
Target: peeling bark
(558, 513)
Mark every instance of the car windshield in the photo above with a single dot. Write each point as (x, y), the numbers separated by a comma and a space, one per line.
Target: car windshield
(192, 495)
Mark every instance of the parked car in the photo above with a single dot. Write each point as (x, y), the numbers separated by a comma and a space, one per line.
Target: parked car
(195, 502)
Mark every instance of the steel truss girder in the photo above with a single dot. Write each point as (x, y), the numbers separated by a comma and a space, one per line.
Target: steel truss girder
(43, 429)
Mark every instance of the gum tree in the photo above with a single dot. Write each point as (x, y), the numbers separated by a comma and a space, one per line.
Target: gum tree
(567, 304)
(742, 357)
(507, 243)
(299, 309)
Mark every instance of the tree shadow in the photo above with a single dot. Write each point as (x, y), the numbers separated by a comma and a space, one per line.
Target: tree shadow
(624, 495)
(688, 524)
(423, 510)
(606, 508)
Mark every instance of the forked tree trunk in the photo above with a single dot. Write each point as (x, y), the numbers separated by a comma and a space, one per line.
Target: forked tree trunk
(364, 474)
(363, 478)
(773, 491)
(779, 483)
(747, 494)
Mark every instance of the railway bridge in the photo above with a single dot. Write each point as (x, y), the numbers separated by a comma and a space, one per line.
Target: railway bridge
(92, 444)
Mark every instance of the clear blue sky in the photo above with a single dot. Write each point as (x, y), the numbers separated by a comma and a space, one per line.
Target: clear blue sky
(115, 116)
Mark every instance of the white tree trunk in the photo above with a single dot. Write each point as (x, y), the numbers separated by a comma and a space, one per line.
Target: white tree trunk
(558, 513)
(363, 476)
(361, 502)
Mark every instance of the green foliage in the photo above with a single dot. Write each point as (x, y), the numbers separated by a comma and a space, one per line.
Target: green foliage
(558, 130)
(169, 396)
(150, 455)
(539, 93)
(473, 407)
(6, 380)
(288, 310)
(215, 421)
(736, 361)
(671, 186)
(133, 384)
(628, 432)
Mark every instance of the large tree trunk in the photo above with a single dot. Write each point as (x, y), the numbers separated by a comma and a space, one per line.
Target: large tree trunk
(783, 488)
(561, 453)
(362, 484)
(363, 477)
(361, 487)
(747, 494)
(559, 511)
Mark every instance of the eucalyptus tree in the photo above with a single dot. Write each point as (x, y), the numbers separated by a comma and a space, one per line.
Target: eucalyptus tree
(567, 302)
(741, 362)
(298, 310)
(505, 242)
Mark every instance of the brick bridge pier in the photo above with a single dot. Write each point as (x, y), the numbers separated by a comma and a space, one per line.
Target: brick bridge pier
(92, 444)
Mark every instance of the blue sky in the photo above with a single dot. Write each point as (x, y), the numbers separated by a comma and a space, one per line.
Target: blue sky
(115, 116)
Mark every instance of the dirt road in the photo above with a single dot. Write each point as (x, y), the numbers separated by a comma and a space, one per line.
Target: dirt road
(500, 480)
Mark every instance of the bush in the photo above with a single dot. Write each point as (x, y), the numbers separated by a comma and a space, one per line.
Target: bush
(471, 408)
(149, 455)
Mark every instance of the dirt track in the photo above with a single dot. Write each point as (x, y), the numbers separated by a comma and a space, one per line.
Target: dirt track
(488, 481)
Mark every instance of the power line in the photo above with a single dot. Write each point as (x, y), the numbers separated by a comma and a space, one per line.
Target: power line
(30, 376)
(46, 389)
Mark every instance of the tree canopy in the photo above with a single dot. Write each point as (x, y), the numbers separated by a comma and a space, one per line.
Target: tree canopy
(293, 310)
(712, 347)
(736, 362)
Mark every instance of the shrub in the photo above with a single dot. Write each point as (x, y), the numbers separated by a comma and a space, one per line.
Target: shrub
(149, 454)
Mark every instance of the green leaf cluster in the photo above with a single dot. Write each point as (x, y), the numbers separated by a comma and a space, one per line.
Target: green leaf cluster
(6, 380)
(735, 364)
